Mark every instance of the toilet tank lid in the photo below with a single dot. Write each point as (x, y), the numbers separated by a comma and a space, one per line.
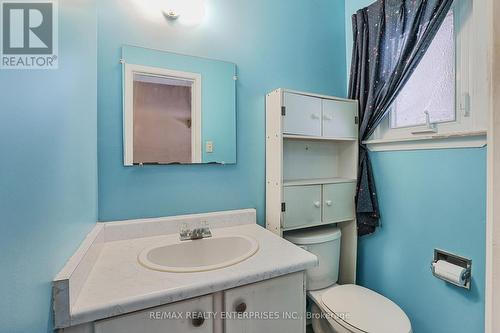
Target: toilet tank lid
(313, 235)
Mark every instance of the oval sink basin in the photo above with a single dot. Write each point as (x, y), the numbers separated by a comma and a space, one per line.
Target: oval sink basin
(199, 255)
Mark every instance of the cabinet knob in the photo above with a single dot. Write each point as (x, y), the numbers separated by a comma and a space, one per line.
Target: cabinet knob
(198, 320)
(241, 307)
(317, 204)
(315, 116)
(328, 202)
(327, 117)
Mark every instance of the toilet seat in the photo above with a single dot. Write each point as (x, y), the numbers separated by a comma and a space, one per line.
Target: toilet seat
(359, 309)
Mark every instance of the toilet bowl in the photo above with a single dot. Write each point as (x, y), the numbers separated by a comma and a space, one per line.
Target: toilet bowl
(343, 308)
(355, 309)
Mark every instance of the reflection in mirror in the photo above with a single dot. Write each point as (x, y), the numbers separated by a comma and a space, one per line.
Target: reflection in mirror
(165, 122)
(177, 109)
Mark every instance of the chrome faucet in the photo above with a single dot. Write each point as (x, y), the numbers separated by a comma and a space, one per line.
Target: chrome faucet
(200, 232)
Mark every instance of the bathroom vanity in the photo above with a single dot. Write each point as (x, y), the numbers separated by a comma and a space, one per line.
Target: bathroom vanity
(241, 305)
(104, 288)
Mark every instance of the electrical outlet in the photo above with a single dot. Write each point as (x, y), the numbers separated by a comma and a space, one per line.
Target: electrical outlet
(209, 147)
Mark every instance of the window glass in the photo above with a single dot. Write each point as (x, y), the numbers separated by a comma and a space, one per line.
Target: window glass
(431, 87)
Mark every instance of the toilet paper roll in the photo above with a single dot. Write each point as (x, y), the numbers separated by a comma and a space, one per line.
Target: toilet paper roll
(449, 272)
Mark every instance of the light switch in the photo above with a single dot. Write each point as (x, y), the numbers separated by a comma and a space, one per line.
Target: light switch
(209, 147)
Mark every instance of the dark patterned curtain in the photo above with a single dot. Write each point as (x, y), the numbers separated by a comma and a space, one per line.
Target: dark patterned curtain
(390, 39)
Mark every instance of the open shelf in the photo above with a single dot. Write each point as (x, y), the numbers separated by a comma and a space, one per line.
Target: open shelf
(318, 138)
(311, 159)
(318, 181)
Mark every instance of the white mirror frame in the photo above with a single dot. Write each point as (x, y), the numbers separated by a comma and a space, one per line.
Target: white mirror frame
(128, 107)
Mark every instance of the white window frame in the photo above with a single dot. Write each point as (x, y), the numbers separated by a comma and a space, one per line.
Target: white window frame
(128, 107)
(469, 128)
(491, 10)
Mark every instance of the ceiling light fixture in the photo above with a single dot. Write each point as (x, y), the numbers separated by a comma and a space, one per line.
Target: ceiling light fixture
(171, 14)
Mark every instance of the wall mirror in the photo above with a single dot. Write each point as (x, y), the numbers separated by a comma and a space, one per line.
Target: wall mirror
(177, 109)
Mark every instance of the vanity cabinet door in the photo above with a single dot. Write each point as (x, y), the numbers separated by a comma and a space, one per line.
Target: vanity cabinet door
(171, 318)
(302, 206)
(338, 202)
(339, 119)
(280, 304)
(303, 115)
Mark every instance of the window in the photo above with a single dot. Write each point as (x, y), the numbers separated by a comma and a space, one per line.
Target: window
(430, 92)
(436, 108)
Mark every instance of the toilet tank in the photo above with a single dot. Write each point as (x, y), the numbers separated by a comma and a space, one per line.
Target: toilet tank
(324, 242)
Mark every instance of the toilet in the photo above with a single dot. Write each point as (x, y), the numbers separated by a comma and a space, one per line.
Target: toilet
(343, 308)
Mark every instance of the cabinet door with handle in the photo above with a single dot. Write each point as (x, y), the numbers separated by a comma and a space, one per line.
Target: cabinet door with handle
(303, 115)
(276, 305)
(188, 316)
(338, 202)
(339, 119)
(302, 206)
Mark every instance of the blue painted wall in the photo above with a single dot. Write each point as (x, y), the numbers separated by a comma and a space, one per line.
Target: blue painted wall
(48, 170)
(428, 199)
(281, 43)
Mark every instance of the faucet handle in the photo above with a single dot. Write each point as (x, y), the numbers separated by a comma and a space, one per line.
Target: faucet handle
(183, 229)
(205, 227)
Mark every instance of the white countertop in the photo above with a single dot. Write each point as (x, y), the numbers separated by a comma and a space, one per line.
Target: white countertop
(118, 284)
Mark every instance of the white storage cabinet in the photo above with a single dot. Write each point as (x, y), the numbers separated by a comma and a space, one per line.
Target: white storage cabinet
(311, 167)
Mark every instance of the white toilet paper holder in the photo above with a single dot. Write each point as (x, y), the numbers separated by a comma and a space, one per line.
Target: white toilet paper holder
(455, 260)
